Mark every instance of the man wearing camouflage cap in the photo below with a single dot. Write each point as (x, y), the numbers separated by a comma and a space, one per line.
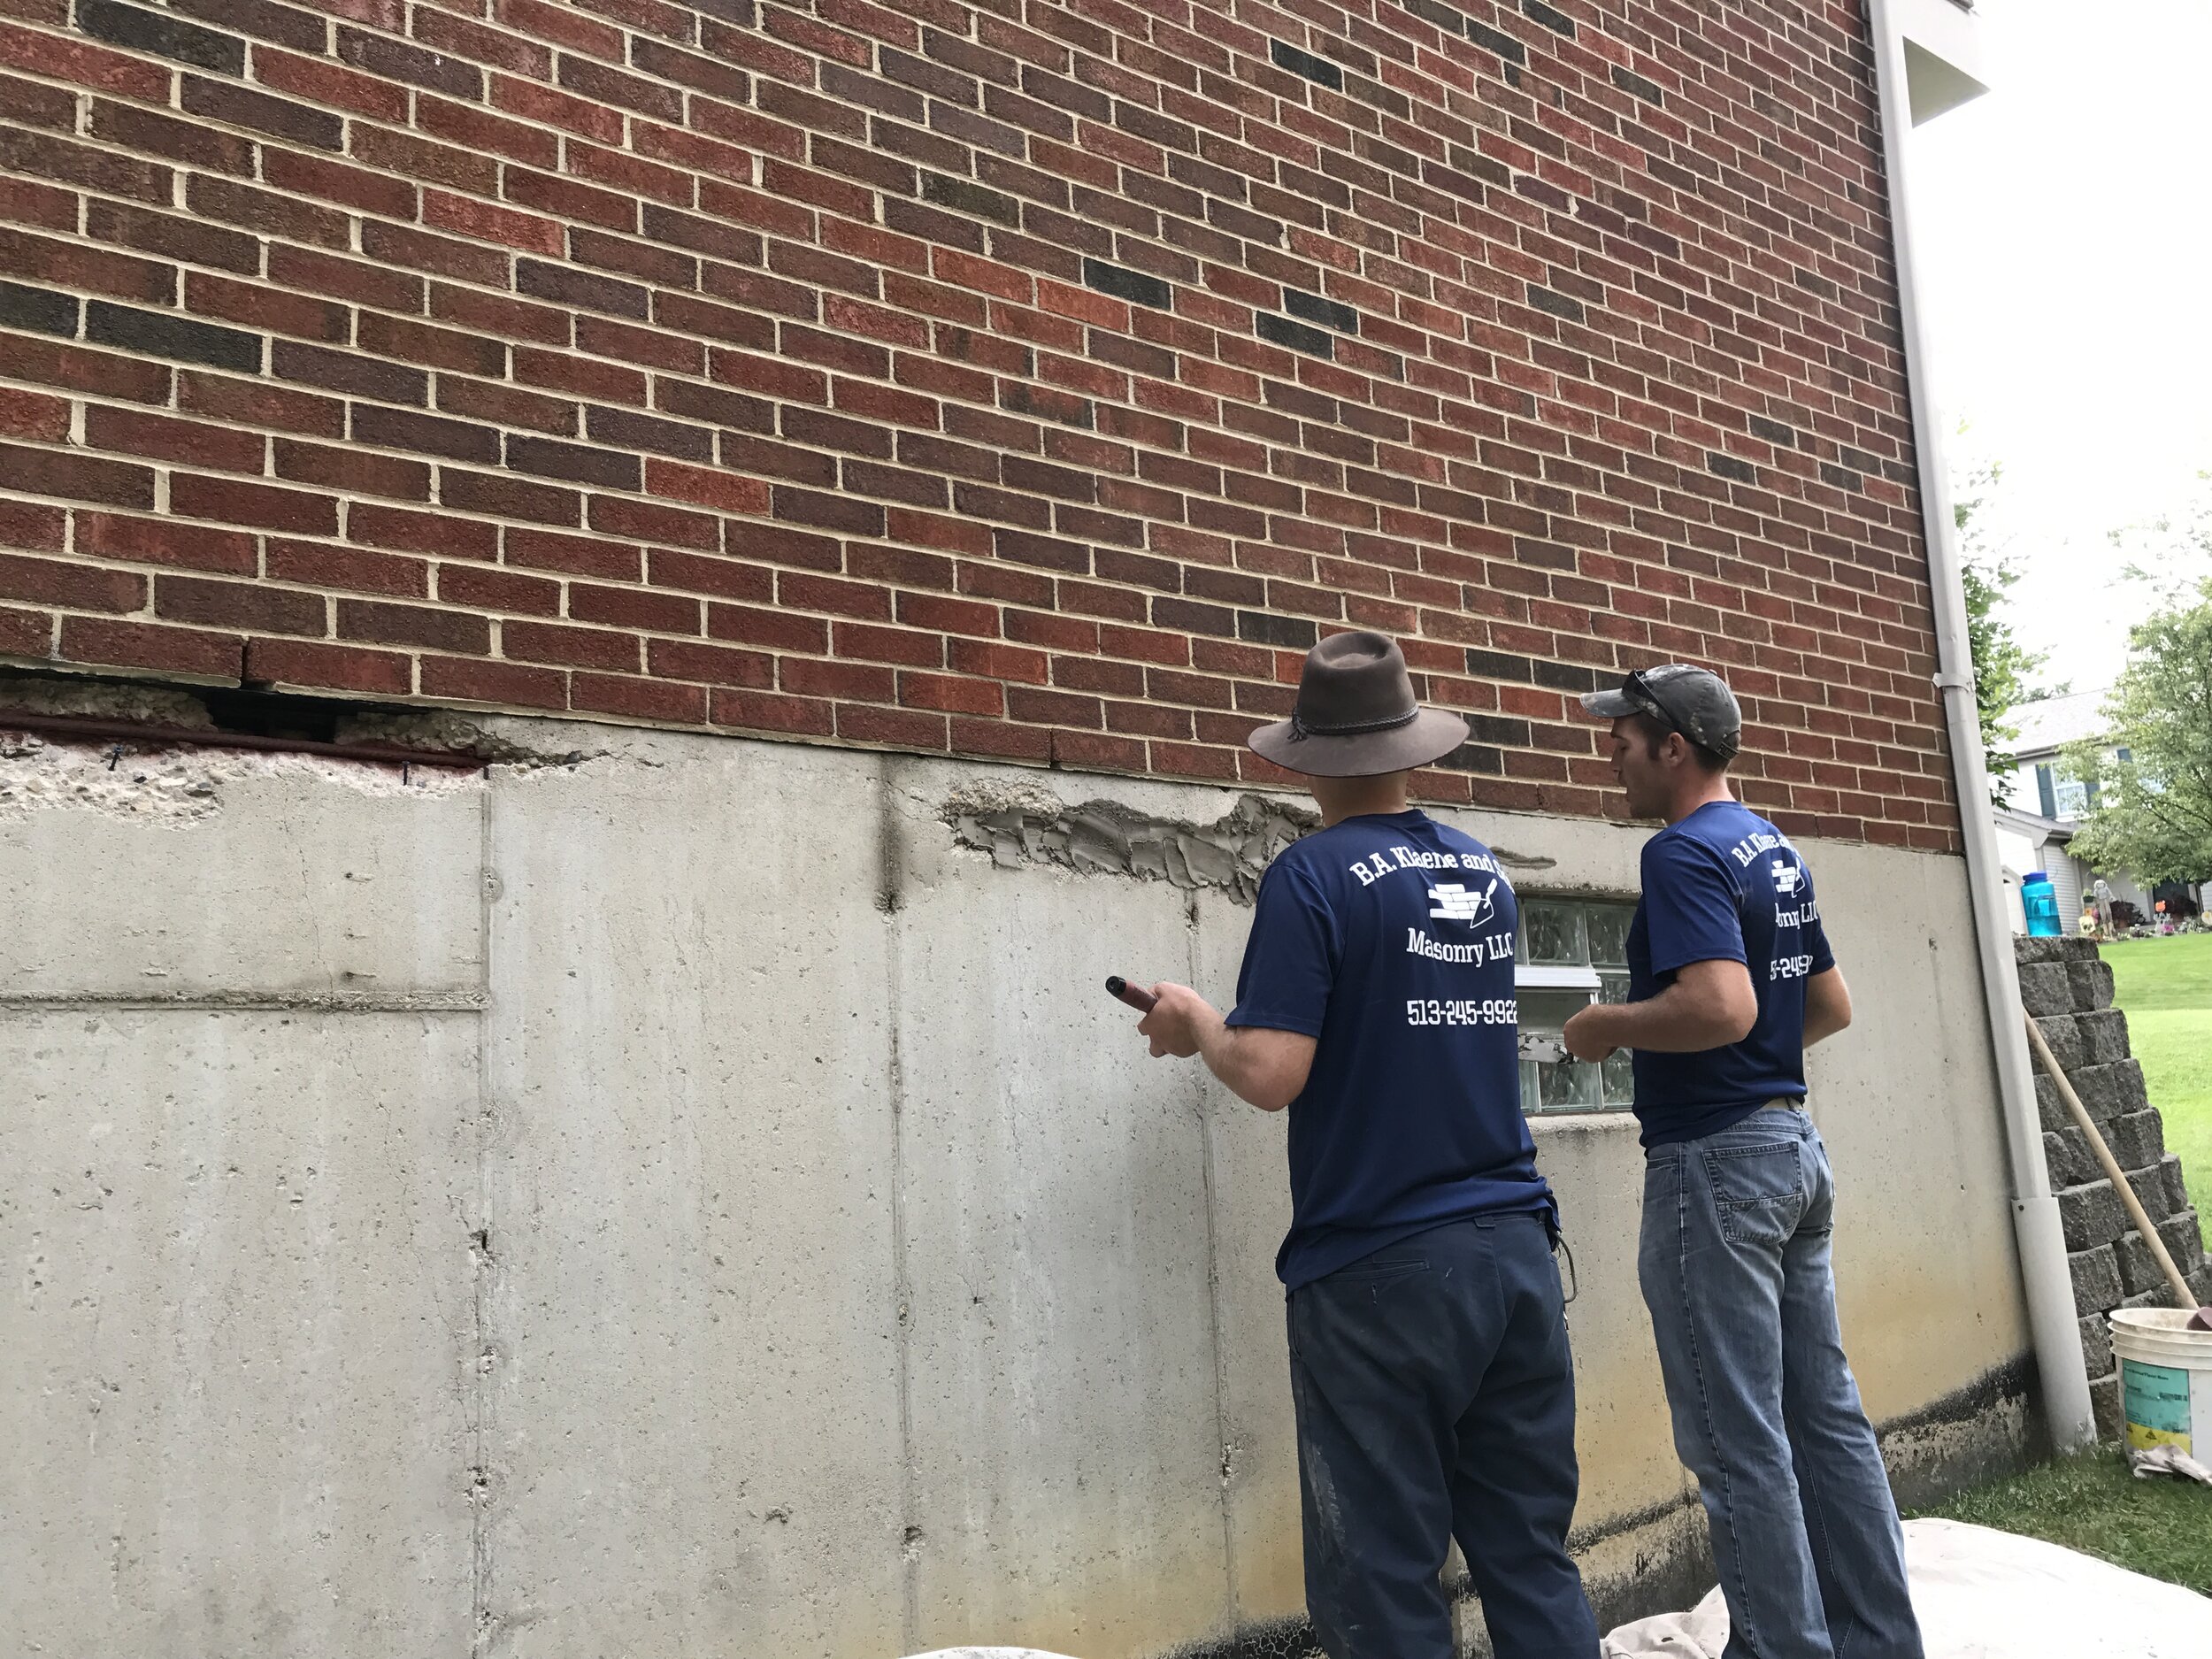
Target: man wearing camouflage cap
(1730, 980)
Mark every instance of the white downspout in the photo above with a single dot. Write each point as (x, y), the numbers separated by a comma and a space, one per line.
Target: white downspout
(2053, 1324)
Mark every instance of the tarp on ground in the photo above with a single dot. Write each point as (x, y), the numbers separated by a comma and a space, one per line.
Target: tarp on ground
(1986, 1594)
(1980, 1594)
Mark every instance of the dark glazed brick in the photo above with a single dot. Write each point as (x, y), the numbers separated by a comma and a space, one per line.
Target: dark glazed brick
(1636, 86)
(1551, 19)
(1474, 758)
(1772, 431)
(1264, 629)
(1558, 305)
(1842, 478)
(1314, 309)
(394, 60)
(965, 197)
(158, 335)
(1499, 665)
(242, 106)
(574, 462)
(1491, 41)
(40, 310)
(1297, 337)
(1728, 467)
(567, 286)
(1450, 22)
(1565, 676)
(1134, 286)
(301, 30)
(1317, 69)
(162, 35)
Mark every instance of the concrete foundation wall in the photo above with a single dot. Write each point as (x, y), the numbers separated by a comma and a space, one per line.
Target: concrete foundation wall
(698, 1201)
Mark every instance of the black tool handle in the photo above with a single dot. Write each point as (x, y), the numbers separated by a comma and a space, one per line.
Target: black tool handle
(1141, 1000)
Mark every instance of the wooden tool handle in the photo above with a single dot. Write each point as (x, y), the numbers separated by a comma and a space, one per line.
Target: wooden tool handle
(1138, 998)
(2113, 1171)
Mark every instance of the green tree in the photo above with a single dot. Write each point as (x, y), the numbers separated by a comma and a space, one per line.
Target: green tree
(2002, 663)
(2151, 774)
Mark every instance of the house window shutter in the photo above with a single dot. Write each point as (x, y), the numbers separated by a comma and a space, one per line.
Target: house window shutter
(2046, 791)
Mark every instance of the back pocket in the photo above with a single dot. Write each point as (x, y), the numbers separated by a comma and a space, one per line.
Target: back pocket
(1758, 1190)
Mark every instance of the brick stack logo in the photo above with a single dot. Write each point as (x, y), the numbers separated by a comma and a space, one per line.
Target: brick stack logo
(1022, 379)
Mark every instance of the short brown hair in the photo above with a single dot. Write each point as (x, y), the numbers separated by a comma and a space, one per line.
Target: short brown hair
(1656, 732)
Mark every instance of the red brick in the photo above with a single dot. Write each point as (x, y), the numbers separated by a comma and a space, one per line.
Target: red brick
(185, 651)
(297, 663)
(24, 633)
(952, 693)
(166, 542)
(33, 525)
(135, 432)
(897, 728)
(571, 647)
(250, 605)
(765, 712)
(346, 569)
(260, 506)
(432, 531)
(482, 588)
(712, 665)
(487, 223)
(76, 477)
(81, 63)
(639, 698)
(422, 627)
(706, 487)
(478, 679)
(34, 415)
(72, 586)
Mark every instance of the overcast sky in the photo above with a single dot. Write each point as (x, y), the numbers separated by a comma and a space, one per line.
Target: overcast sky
(2066, 268)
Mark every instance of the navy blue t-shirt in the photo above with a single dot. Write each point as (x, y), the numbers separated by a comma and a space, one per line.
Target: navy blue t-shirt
(1725, 885)
(1389, 938)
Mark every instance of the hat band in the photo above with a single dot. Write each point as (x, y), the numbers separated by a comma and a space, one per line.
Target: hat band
(1300, 730)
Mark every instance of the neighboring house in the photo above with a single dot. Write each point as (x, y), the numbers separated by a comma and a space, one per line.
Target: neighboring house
(2044, 803)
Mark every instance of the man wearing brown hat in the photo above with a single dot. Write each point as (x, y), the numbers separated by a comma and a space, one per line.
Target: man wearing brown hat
(1429, 1371)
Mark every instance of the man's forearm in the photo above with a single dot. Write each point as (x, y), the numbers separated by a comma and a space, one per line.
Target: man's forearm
(1228, 1059)
(1672, 1022)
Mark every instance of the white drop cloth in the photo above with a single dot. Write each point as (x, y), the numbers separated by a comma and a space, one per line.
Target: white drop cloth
(1986, 1594)
(1980, 1594)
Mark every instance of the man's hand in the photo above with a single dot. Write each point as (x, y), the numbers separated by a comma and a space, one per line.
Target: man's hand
(1265, 1067)
(1585, 1033)
(1176, 1020)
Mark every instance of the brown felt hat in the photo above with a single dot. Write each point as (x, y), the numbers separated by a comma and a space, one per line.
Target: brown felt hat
(1355, 716)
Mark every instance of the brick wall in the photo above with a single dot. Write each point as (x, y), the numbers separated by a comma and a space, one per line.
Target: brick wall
(1018, 378)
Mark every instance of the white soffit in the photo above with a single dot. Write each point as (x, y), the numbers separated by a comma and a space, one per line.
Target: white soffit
(1943, 55)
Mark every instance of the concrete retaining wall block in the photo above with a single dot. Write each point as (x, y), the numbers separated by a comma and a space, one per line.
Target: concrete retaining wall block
(2091, 1215)
(2097, 1277)
(2045, 989)
(2091, 983)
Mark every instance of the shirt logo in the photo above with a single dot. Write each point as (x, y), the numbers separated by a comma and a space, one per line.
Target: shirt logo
(1788, 877)
(1456, 903)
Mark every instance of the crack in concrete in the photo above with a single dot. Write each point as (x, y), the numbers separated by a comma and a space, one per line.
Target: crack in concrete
(1019, 823)
(258, 1002)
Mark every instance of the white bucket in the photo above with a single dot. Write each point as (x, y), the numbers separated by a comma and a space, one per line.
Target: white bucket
(2165, 1380)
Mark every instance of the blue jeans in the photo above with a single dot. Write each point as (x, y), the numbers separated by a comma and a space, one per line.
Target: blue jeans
(1435, 1400)
(1735, 1271)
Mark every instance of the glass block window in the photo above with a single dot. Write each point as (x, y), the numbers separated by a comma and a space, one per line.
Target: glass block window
(1572, 952)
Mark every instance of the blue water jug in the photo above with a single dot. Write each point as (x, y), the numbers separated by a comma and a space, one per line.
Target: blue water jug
(2039, 899)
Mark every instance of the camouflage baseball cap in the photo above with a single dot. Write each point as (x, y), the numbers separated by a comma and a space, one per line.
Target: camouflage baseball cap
(1695, 702)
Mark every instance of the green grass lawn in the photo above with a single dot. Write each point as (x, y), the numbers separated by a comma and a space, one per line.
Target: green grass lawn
(2165, 985)
(2093, 1504)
